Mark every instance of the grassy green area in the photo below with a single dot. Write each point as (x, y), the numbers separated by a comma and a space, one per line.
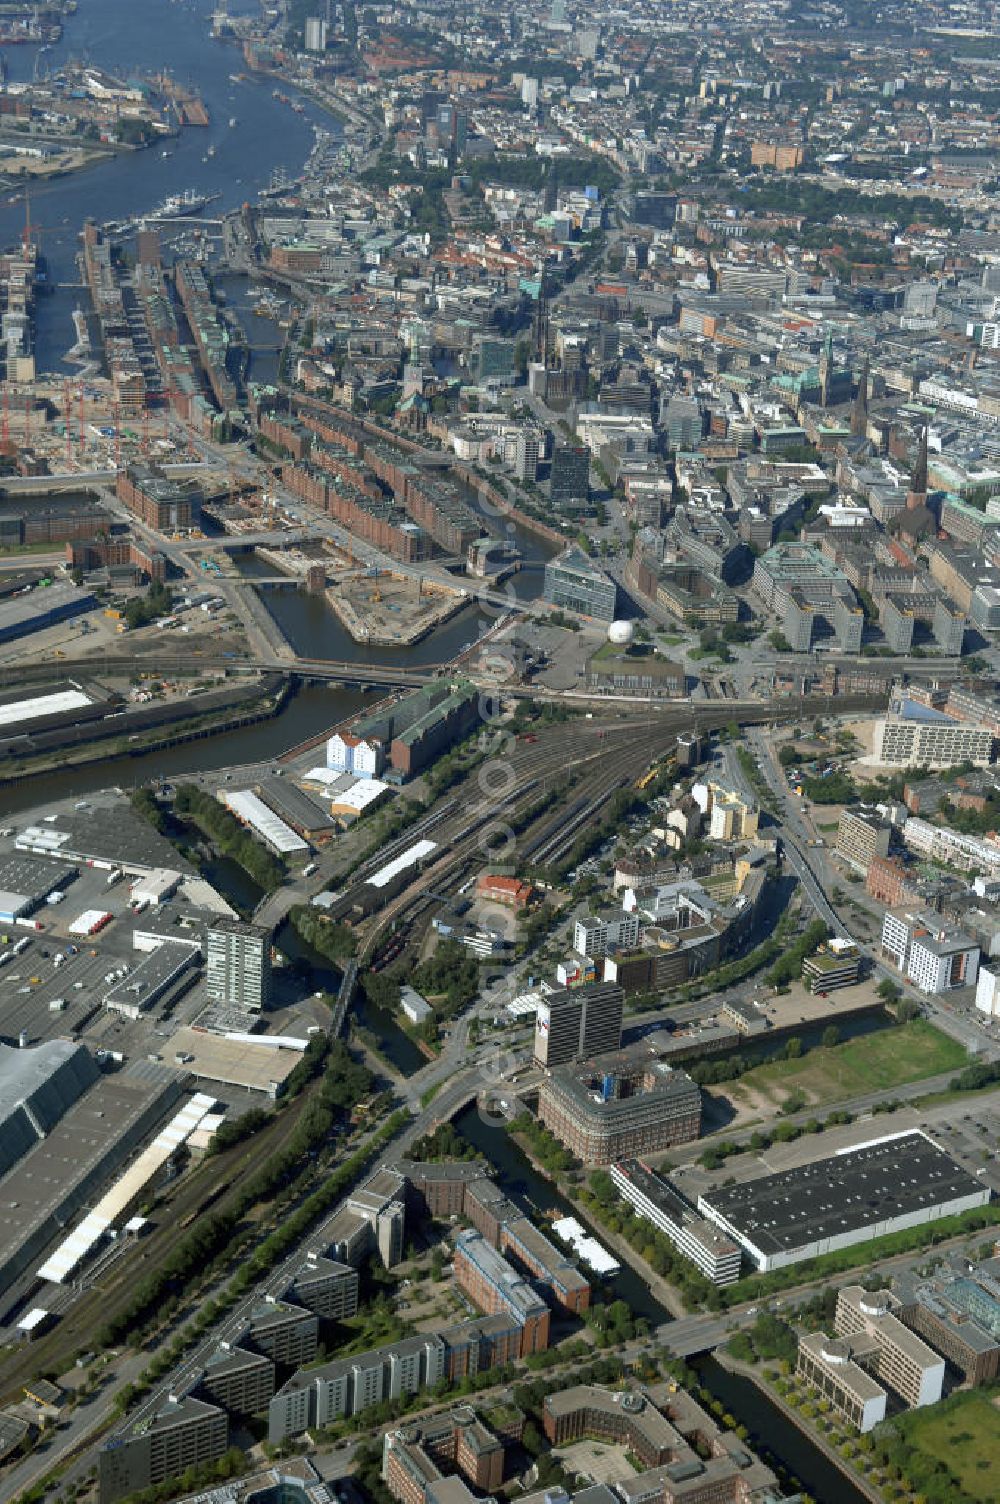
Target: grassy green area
(939, 1098)
(30, 548)
(964, 1436)
(875, 1062)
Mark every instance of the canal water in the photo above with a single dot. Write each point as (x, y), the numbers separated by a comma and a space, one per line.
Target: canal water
(518, 1175)
(315, 708)
(393, 1042)
(136, 39)
(780, 1443)
(315, 631)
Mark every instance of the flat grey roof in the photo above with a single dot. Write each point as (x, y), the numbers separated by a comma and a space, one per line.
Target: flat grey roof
(842, 1193)
(93, 1139)
(111, 831)
(33, 877)
(295, 805)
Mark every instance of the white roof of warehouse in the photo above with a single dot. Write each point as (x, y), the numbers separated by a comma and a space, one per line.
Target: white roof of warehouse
(41, 838)
(34, 1318)
(363, 791)
(74, 1249)
(32, 709)
(246, 806)
(327, 776)
(409, 858)
(85, 922)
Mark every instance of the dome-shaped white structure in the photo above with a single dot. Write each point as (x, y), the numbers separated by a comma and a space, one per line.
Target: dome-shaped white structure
(621, 632)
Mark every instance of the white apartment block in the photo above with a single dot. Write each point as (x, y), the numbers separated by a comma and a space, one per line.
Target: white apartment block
(730, 818)
(827, 1363)
(988, 992)
(652, 1196)
(935, 957)
(967, 853)
(933, 744)
(353, 754)
(892, 1354)
(599, 934)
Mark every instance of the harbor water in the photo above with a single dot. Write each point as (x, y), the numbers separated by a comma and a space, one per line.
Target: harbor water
(139, 40)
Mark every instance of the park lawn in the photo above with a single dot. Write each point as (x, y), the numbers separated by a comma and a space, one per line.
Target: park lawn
(874, 1062)
(964, 1436)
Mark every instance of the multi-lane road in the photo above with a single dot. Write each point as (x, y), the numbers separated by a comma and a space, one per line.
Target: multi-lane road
(810, 867)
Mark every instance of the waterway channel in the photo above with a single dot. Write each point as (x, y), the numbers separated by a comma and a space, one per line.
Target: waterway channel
(770, 1431)
(518, 1176)
(315, 708)
(778, 1440)
(308, 968)
(315, 631)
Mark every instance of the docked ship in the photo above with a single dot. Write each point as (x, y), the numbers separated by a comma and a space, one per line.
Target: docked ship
(181, 204)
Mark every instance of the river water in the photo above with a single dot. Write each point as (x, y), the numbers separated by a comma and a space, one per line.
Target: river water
(313, 709)
(308, 969)
(139, 37)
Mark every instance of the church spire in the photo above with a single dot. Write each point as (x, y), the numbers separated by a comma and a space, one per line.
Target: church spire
(859, 412)
(826, 369)
(918, 479)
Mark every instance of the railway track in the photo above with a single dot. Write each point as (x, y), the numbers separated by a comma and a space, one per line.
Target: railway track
(222, 1174)
(553, 847)
(464, 844)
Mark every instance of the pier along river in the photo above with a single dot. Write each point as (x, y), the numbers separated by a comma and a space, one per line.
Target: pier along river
(174, 36)
(131, 40)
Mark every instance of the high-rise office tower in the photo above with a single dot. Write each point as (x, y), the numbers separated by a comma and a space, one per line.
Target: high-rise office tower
(576, 1023)
(239, 963)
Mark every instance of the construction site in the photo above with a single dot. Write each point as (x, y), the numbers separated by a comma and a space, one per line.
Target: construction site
(394, 610)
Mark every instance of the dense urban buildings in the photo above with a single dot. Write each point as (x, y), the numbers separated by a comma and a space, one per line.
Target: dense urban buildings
(556, 451)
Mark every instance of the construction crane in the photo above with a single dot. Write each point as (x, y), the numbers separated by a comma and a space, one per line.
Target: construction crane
(31, 234)
(68, 420)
